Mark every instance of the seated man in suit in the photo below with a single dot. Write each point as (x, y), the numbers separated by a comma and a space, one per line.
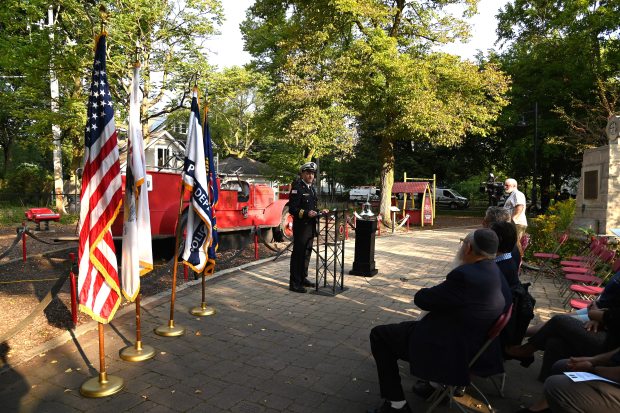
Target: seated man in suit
(461, 310)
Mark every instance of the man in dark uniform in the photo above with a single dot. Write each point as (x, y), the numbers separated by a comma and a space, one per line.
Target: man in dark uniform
(302, 206)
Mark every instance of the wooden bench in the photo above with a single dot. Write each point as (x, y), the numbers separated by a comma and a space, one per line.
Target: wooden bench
(39, 215)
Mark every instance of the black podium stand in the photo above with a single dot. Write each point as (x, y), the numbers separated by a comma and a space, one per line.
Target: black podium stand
(364, 260)
(330, 253)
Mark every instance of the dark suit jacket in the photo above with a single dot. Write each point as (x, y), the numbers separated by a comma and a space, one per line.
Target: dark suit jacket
(462, 309)
(302, 200)
(510, 271)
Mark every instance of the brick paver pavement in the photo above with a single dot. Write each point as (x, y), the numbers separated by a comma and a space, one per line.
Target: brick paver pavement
(266, 349)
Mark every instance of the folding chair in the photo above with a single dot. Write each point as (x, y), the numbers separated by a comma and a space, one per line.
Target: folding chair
(593, 248)
(579, 303)
(448, 390)
(588, 275)
(582, 264)
(588, 290)
(547, 260)
(525, 242)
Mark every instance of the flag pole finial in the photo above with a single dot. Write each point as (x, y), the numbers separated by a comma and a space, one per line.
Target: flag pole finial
(103, 13)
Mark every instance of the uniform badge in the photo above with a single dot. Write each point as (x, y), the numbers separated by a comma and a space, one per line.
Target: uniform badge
(294, 191)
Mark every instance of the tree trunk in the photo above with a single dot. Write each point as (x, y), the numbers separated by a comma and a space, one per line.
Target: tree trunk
(386, 149)
(57, 142)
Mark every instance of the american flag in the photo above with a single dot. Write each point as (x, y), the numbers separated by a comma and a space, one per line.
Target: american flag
(98, 286)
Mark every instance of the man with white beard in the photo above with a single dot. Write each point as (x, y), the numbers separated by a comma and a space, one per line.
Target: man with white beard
(515, 203)
(461, 310)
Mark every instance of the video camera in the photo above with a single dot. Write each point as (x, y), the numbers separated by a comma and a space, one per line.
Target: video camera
(494, 190)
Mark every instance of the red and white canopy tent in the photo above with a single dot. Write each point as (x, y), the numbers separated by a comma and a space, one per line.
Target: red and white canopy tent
(425, 213)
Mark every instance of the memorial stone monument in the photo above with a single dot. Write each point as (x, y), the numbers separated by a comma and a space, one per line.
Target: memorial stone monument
(598, 195)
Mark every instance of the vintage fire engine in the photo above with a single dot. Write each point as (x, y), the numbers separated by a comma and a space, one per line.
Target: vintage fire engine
(242, 208)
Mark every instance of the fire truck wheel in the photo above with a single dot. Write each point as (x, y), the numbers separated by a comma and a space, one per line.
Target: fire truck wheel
(284, 232)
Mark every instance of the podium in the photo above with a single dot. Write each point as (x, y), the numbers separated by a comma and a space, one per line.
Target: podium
(364, 260)
(329, 252)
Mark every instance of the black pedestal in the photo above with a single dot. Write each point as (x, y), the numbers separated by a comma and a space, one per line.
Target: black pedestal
(364, 261)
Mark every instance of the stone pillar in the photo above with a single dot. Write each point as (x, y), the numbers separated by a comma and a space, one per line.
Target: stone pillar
(599, 187)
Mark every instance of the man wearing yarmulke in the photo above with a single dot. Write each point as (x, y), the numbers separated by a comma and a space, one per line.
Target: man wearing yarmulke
(460, 312)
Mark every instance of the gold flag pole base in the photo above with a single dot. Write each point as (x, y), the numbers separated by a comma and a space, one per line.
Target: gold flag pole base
(102, 386)
(138, 352)
(202, 311)
(170, 330)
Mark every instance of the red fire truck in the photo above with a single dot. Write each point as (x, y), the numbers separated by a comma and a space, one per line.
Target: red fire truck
(242, 206)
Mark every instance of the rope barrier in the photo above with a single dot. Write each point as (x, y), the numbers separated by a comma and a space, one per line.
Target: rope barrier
(26, 281)
(405, 218)
(33, 236)
(37, 310)
(20, 233)
(15, 241)
(266, 244)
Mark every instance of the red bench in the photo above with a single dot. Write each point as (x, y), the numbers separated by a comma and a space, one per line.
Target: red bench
(39, 215)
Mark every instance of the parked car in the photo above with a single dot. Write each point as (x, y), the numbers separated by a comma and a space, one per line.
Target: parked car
(449, 198)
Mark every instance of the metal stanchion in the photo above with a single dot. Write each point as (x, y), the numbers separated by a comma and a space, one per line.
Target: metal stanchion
(72, 282)
(24, 242)
(256, 243)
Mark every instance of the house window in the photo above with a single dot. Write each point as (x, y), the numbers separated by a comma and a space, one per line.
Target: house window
(163, 157)
(180, 128)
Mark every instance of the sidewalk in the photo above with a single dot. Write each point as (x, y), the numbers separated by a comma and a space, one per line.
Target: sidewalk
(267, 349)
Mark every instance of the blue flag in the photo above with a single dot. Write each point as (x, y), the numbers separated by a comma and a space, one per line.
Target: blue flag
(214, 195)
(199, 227)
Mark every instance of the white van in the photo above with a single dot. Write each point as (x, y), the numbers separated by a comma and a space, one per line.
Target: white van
(363, 193)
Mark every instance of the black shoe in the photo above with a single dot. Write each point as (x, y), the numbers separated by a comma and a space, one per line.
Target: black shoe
(459, 391)
(524, 361)
(526, 410)
(307, 283)
(423, 388)
(386, 407)
(299, 289)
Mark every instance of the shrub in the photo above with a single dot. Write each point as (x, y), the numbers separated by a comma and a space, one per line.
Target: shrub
(28, 184)
(545, 229)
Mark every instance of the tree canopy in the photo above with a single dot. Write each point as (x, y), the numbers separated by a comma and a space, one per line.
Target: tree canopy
(368, 67)
(167, 36)
(564, 57)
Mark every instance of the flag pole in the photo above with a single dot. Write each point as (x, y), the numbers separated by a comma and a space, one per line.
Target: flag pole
(203, 310)
(104, 385)
(139, 351)
(170, 330)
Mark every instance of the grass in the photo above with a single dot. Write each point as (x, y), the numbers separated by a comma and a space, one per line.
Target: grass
(13, 216)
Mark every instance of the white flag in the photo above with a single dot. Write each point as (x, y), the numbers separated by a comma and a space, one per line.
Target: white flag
(137, 250)
(199, 236)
